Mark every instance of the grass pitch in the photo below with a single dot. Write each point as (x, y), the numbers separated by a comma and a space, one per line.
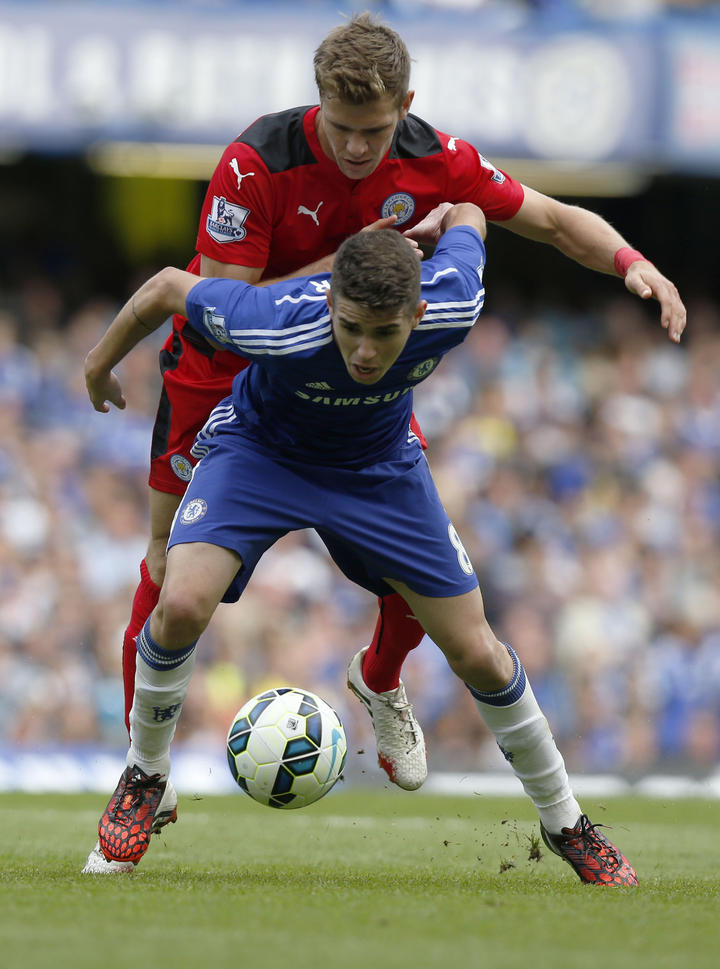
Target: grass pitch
(361, 880)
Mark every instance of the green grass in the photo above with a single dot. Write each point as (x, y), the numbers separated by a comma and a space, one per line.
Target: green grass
(362, 880)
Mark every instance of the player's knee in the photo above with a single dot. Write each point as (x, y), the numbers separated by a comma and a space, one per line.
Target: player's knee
(181, 617)
(480, 659)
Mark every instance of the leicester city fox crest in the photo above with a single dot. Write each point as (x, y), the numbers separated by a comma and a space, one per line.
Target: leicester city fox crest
(181, 467)
(400, 204)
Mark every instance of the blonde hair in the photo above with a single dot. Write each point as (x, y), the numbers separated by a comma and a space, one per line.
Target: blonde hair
(361, 61)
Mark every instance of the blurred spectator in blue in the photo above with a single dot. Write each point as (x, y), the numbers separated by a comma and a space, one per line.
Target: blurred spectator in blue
(579, 462)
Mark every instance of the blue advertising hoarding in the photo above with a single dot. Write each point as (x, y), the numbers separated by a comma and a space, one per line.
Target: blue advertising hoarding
(74, 74)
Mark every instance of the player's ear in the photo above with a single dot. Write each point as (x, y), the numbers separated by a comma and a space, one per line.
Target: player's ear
(328, 297)
(405, 105)
(419, 312)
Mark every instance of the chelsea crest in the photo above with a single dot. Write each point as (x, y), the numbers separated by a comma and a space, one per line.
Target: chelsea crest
(421, 370)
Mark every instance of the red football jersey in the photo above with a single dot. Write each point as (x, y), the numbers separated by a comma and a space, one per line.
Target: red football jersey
(276, 200)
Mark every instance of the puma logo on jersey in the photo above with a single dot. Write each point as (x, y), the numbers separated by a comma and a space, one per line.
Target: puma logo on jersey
(451, 144)
(302, 210)
(238, 174)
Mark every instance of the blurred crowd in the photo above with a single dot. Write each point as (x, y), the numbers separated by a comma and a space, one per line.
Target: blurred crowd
(507, 12)
(514, 13)
(577, 453)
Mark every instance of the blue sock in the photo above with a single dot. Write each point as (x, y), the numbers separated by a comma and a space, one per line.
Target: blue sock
(158, 658)
(510, 693)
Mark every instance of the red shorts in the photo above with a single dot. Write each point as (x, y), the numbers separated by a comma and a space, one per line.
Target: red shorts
(415, 428)
(196, 377)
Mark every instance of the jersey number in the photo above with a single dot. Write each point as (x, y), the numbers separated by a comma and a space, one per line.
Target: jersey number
(463, 557)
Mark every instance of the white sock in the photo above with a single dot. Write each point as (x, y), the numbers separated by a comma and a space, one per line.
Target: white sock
(523, 734)
(157, 703)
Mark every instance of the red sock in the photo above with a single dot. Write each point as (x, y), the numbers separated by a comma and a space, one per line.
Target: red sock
(146, 598)
(396, 633)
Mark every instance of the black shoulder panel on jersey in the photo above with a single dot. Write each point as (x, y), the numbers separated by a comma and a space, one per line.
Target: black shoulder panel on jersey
(280, 140)
(414, 138)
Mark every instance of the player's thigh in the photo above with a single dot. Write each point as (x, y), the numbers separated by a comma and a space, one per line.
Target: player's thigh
(458, 625)
(454, 623)
(196, 579)
(195, 379)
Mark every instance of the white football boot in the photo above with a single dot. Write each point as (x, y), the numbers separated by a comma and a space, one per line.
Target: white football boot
(398, 736)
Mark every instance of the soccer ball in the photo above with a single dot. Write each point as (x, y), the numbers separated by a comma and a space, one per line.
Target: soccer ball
(286, 748)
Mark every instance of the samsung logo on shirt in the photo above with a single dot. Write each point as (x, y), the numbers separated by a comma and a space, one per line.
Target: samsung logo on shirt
(353, 401)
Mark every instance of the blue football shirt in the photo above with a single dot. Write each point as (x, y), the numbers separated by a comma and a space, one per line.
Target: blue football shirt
(297, 398)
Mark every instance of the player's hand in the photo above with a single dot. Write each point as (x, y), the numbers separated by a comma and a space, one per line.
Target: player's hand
(388, 223)
(102, 388)
(429, 229)
(646, 281)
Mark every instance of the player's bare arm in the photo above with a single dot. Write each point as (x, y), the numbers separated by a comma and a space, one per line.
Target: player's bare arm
(145, 311)
(157, 299)
(251, 274)
(588, 239)
(464, 213)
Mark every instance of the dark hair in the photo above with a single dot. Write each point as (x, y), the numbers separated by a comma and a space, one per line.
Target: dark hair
(377, 269)
(361, 61)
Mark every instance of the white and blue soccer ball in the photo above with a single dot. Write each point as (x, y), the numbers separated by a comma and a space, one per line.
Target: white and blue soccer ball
(286, 747)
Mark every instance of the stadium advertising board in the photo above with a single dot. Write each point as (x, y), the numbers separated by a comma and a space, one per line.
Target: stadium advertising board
(72, 74)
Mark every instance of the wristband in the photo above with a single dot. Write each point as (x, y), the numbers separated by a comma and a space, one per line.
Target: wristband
(624, 257)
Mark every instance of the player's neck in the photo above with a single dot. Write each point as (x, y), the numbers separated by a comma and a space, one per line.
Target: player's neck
(321, 136)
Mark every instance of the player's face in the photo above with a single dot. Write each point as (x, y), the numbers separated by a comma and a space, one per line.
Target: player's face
(370, 344)
(358, 136)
